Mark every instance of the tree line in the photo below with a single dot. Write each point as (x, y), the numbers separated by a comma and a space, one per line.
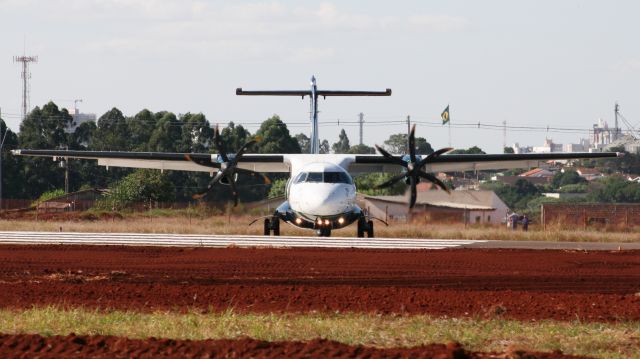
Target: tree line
(46, 128)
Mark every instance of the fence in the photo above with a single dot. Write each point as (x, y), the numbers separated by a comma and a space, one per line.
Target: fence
(590, 215)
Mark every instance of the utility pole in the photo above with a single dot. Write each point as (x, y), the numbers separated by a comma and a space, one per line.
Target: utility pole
(408, 132)
(504, 135)
(26, 75)
(616, 110)
(361, 122)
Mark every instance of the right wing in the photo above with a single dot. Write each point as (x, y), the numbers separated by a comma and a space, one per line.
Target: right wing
(195, 162)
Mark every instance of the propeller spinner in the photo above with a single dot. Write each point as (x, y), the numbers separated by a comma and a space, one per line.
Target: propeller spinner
(414, 168)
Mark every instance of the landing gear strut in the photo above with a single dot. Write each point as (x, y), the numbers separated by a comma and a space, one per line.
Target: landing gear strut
(272, 225)
(365, 226)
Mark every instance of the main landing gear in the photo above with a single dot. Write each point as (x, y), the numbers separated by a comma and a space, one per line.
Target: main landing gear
(272, 226)
(365, 226)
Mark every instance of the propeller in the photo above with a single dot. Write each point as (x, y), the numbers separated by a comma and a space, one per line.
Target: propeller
(414, 171)
(228, 171)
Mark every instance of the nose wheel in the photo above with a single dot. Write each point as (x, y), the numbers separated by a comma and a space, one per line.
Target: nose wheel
(272, 226)
(365, 226)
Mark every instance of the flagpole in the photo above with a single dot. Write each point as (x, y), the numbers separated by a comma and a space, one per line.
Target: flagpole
(449, 133)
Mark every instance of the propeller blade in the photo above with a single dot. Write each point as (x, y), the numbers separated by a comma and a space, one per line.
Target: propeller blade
(434, 180)
(414, 190)
(412, 143)
(391, 157)
(391, 181)
(434, 155)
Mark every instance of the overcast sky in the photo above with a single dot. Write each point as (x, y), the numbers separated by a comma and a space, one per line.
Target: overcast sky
(530, 63)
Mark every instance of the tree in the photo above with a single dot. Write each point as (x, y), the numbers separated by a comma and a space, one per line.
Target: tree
(140, 128)
(362, 149)
(397, 144)
(141, 186)
(234, 137)
(475, 150)
(342, 146)
(366, 183)
(43, 128)
(167, 134)
(112, 133)
(566, 178)
(324, 146)
(615, 189)
(197, 134)
(304, 142)
(12, 169)
(275, 137)
(508, 150)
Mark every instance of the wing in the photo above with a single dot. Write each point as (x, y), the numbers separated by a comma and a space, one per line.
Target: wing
(196, 162)
(301, 93)
(353, 93)
(453, 163)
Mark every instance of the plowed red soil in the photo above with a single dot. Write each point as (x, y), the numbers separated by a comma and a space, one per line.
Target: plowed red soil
(113, 347)
(521, 284)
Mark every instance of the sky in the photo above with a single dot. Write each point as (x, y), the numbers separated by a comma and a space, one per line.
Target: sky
(556, 64)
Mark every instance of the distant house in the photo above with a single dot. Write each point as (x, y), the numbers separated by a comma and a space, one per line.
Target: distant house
(467, 206)
(75, 201)
(589, 173)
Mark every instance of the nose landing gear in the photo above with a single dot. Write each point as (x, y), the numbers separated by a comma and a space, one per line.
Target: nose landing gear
(365, 226)
(272, 225)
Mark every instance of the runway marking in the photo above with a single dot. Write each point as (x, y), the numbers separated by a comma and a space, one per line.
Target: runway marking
(221, 241)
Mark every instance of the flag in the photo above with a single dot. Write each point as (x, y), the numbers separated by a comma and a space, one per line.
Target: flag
(445, 115)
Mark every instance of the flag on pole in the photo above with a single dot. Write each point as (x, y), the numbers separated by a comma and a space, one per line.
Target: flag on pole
(445, 115)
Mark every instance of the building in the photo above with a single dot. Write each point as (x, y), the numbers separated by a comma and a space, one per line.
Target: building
(79, 118)
(601, 135)
(548, 147)
(465, 206)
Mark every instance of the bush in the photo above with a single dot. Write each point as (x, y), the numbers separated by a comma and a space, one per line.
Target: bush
(142, 186)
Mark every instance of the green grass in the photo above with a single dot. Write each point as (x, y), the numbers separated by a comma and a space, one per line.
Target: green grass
(607, 340)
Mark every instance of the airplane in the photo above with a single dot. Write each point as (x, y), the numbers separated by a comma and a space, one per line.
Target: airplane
(320, 194)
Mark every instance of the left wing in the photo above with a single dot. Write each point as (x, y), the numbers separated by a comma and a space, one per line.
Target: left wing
(196, 162)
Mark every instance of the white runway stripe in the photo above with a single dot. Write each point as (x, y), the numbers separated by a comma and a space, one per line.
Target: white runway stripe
(221, 241)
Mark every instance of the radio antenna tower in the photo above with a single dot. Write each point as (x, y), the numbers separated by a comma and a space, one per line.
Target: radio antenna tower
(26, 75)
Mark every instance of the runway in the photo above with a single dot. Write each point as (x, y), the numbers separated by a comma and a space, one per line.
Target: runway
(222, 241)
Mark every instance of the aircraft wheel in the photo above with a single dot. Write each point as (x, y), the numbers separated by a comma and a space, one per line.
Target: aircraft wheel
(324, 232)
(267, 227)
(361, 228)
(276, 226)
(370, 229)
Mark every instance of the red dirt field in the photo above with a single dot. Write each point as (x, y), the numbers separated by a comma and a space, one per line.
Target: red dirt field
(73, 346)
(520, 284)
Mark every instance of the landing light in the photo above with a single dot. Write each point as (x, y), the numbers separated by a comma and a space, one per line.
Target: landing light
(298, 220)
(341, 220)
(320, 221)
(327, 222)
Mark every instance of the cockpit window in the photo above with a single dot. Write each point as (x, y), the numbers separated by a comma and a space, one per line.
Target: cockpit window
(336, 177)
(326, 177)
(314, 177)
(301, 177)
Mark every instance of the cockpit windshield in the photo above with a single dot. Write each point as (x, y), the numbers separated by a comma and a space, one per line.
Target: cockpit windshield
(323, 177)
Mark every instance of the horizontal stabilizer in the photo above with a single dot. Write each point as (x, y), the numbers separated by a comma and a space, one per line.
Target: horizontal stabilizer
(240, 91)
(387, 92)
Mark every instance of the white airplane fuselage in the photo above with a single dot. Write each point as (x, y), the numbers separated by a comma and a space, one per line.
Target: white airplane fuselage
(321, 195)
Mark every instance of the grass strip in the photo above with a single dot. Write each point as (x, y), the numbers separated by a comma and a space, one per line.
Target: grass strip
(239, 225)
(607, 340)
